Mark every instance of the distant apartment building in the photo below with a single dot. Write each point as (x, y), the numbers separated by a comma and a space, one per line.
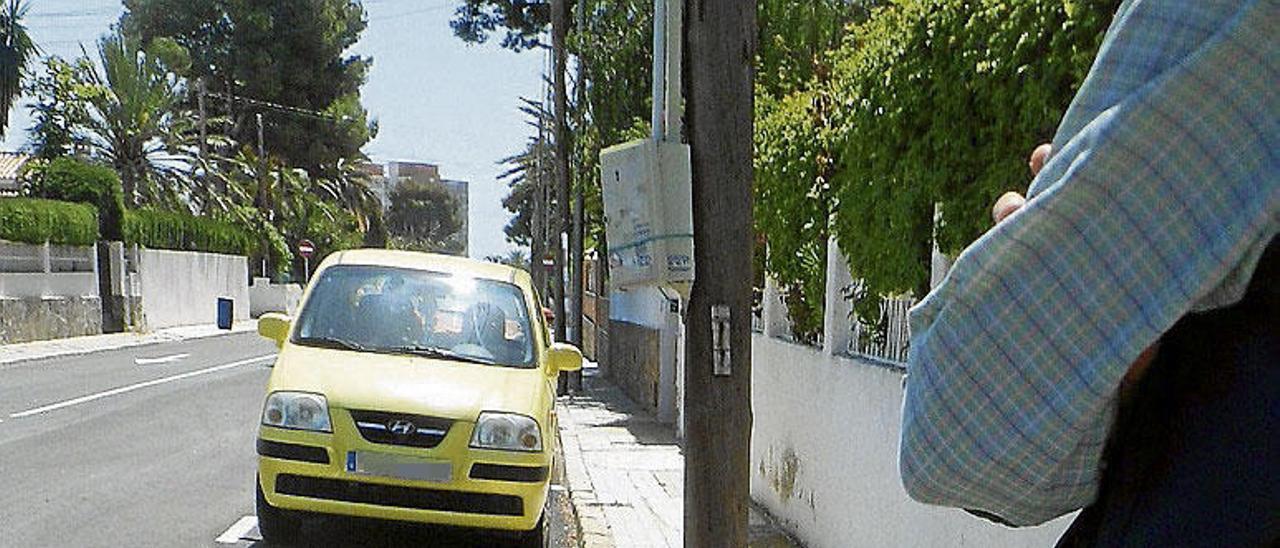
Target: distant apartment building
(388, 176)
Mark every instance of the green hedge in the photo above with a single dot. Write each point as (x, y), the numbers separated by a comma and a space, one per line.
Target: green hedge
(158, 229)
(36, 221)
(927, 102)
(74, 180)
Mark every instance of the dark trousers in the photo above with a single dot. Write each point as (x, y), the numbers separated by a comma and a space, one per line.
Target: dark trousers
(1194, 455)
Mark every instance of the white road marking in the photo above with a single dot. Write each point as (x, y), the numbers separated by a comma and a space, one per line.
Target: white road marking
(137, 386)
(238, 530)
(164, 359)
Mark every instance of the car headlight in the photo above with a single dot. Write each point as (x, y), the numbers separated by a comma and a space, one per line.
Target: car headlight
(297, 410)
(506, 432)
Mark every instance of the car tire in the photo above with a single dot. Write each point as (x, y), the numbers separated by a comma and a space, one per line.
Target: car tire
(538, 537)
(276, 525)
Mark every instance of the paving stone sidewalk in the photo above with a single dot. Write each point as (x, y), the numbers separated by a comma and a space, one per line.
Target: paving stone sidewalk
(625, 473)
(20, 352)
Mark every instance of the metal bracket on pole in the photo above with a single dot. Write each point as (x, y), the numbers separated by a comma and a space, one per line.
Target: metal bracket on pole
(720, 348)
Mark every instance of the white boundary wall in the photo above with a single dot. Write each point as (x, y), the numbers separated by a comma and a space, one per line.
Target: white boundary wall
(36, 271)
(824, 457)
(265, 296)
(182, 287)
(824, 444)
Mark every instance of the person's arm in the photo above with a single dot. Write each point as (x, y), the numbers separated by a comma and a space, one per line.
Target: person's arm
(1157, 202)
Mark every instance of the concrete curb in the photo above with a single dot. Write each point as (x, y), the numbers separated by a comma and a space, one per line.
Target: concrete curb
(16, 353)
(592, 525)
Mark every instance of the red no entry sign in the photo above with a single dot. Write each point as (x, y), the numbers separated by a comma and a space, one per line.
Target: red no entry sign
(306, 249)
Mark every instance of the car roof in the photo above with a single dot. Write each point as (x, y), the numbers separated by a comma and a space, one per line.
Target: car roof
(429, 261)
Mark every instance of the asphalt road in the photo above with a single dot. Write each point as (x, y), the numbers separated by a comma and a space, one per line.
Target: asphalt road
(154, 446)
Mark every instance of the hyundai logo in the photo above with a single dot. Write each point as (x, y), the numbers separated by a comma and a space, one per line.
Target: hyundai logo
(401, 427)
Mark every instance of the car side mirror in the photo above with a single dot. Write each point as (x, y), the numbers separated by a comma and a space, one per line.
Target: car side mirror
(274, 326)
(564, 357)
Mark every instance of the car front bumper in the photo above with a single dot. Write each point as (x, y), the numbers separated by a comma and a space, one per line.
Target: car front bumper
(308, 471)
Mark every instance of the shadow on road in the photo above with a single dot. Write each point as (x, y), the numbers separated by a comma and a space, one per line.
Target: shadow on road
(335, 532)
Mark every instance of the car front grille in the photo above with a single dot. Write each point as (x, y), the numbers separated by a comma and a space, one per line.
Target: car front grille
(390, 428)
(399, 497)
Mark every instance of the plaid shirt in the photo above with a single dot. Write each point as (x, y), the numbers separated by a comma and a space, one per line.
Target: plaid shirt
(1162, 193)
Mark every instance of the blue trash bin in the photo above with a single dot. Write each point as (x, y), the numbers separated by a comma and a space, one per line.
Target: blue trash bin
(226, 309)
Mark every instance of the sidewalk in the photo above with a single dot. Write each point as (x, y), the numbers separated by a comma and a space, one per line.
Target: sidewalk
(625, 473)
(19, 352)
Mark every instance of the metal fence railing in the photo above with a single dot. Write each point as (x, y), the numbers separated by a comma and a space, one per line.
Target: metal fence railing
(888, 338)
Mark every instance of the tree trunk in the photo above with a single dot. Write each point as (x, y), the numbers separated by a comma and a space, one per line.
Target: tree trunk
(720, 49)
(577, 235)
(559, 24)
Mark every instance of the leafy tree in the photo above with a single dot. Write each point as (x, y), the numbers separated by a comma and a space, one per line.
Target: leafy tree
(523, 22)
(16, 51)
(613, 105)
(614, 46)
(793, 201)
(424, 216)
(273, 52)
(60, 107)
(796, 38)
(283, 206)
(794, 159)
(941, 102)
(515, 258)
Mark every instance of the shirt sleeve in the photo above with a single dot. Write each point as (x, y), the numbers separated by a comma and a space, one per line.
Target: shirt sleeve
(1159, 201)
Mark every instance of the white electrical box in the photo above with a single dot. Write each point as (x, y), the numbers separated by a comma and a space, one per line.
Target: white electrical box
(646, 187)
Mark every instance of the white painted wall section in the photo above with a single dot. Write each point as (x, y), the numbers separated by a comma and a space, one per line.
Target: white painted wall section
(824, 457)
(183, 287)
(265, 296)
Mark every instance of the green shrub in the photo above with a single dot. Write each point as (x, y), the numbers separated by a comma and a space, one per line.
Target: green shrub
(928, 103)
(36, 221)
(270, 243)
(158, 229)
(73, 180)
(793, 201)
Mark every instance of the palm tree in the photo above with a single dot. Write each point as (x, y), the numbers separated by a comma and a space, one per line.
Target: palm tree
(135, 122)
(352, 188)
(16, 50)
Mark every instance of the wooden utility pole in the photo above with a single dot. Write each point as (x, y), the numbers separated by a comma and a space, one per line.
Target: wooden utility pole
(720, 40)
(559, 24)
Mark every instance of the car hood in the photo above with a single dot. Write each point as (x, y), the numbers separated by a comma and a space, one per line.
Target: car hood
(407, 384)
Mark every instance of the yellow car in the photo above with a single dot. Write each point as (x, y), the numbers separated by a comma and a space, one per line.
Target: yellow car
(411, 387)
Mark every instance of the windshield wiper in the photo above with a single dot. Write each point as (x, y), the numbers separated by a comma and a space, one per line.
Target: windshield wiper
(438, 352)
(331, 342)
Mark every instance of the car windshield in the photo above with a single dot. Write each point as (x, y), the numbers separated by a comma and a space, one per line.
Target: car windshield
(394, 310)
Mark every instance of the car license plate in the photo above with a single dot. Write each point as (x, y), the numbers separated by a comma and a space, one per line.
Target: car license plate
(398, 466)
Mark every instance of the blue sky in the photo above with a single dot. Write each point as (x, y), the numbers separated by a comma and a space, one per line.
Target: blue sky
(436, 99)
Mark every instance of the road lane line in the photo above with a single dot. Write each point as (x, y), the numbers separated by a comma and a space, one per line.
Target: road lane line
(137, 386)
(237, 531)
(163, 359)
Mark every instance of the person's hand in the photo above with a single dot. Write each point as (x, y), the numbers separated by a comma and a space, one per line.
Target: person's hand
(1013, 201)
(1010, 202)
